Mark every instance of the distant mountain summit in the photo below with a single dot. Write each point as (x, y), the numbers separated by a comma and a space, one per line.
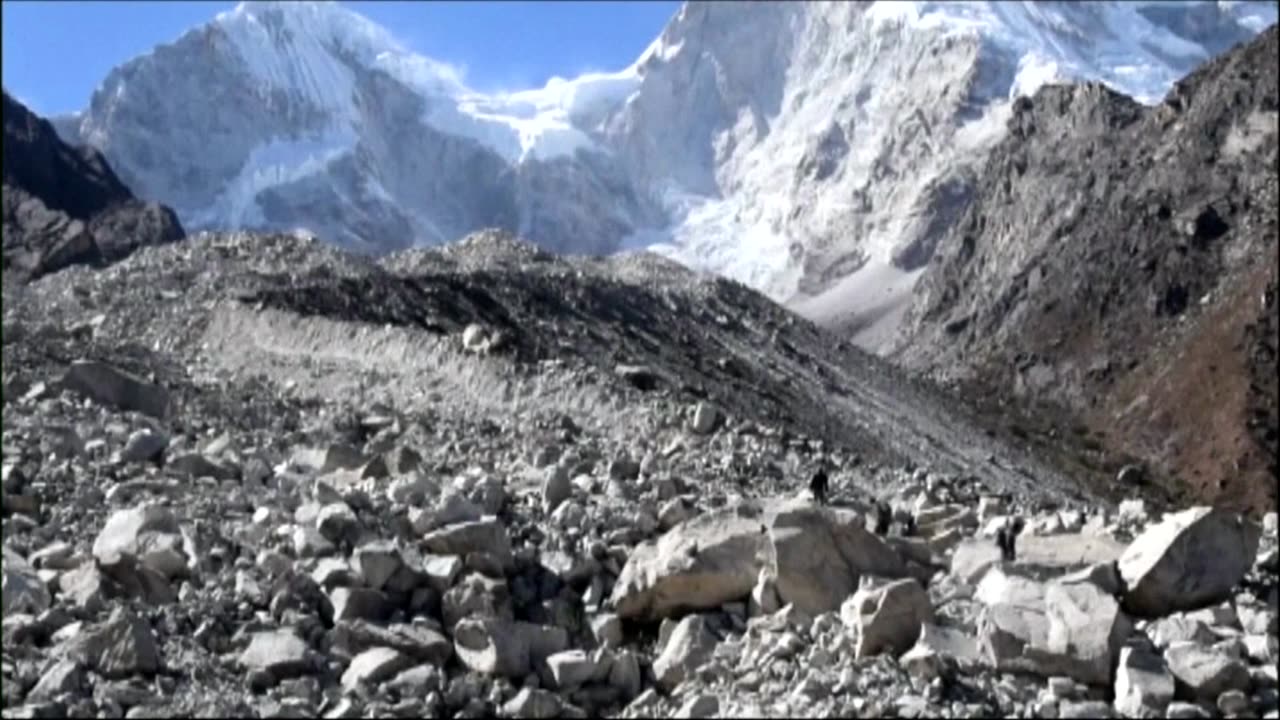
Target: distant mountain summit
(804, 148)
(64, 206)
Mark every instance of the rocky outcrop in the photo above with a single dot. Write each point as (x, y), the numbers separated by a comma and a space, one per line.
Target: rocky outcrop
(64, 206)
(813, 557)
(1160, 574)
(1116, 266)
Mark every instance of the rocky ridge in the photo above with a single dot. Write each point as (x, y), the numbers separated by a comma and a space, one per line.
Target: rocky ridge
(1120, 262)
(63, 205)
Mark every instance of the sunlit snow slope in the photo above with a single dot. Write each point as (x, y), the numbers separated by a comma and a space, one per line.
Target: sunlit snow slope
(813, 150)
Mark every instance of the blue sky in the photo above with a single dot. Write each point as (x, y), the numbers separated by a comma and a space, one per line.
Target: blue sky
(56, 53)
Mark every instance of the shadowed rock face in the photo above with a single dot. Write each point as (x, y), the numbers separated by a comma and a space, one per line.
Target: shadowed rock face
(63, 205)
(1120, 261)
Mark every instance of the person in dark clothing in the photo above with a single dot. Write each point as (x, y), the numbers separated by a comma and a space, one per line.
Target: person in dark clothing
(1002, 541)
(909, 525)
(884, 518)
(1007, 539)
(818, 485)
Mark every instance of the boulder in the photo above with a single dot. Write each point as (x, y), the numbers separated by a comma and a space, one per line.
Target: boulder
(148, 533)
(1086, 628)
(280, 653)
(373, 666)
(819, 554)
(330, 459)
(417, 680)
(1006, 630)
(1234, 704)
(1144, 687)
(701, 705)
(116, 388)
(476, 595)
(887, 617)
(814, 557)
(144, 445)
(556, 488)
(1001, 586)
(376, 562)
(706, 417)
(571, 669)
(1179, 627)
(441, 571)
(702, 563)
(196, 465)
(764, 596)
(1204, 672)
(501, 647)
(123, 572)
(1068, 551)
(1179, 710)
(1083, 709)
(85, 587)
(973, 558)
(419, 642)
(475, 339)
(1041, 555)
(625, 675)
(337, 522)
(120, 647)
(65, 676)
(939, 651)
(689, 645)
(1258, 619)
(358, 603)
(1074, 629)
(487, 535)
(23, 590)
(1192, 559)
(534, 704)
(606, 628)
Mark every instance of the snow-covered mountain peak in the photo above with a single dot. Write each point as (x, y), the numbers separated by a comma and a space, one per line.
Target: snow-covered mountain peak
(322, 22)
(310, 48)
(801, 147)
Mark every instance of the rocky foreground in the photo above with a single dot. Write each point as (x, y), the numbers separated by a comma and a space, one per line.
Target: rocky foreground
(227, 491)
(355, 580)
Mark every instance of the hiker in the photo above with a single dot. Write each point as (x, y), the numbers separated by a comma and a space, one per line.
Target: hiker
(1007, 539)
(909, 525)
(818, 485)
(884, 518)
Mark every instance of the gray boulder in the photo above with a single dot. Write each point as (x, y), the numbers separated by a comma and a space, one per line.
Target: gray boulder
(813, 557)
(116, 388)
(501, 647)
(24, 591)
(1144, 687)
(1193, 559)
(687, 648)
(888, 617)
(120, 647)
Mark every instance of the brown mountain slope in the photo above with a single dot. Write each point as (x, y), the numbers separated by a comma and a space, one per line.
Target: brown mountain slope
(1119, 264)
